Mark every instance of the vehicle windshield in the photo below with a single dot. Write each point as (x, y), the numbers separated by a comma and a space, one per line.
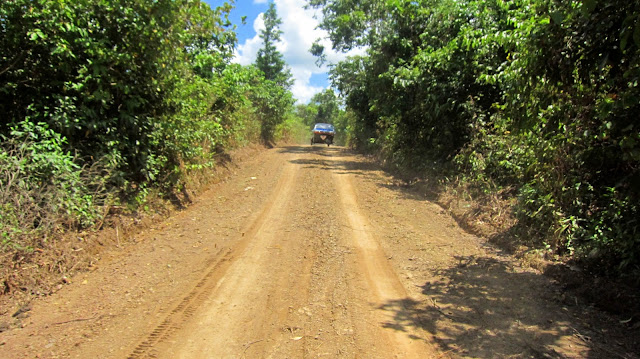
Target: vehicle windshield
(323, 127)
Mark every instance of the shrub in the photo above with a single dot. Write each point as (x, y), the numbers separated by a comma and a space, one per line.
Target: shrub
(42, 188)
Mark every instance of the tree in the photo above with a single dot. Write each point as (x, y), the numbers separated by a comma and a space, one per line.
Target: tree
(328, 106)
(307, 113)
(272, 103)
(273, 99)
(102, 101)
(270, 61)
(415, 92)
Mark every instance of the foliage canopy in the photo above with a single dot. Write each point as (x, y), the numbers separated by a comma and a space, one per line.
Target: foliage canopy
(537, 99)
(140, 93)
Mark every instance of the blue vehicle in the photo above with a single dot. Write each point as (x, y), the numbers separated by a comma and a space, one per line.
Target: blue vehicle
(323, 133)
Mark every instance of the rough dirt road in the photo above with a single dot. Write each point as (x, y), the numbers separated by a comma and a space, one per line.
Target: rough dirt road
(306, 252)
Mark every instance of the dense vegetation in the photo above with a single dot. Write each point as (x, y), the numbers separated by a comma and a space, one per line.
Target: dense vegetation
(105, 102)
(325, 107)
(537, 100)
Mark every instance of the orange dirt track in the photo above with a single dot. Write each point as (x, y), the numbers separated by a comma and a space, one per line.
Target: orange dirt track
(304, 252)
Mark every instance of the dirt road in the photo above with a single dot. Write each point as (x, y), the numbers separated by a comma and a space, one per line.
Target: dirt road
(306, 252)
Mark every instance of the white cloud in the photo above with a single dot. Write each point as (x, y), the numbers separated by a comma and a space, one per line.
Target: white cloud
(246, 53)
(302, 90)
(299, 33)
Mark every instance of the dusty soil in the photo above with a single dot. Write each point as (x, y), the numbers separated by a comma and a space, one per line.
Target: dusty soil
(311, 252)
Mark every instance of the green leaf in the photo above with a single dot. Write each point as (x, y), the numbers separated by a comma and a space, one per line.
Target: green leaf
(36, 34)
(588, 6)
(557, 17)
(624, 40)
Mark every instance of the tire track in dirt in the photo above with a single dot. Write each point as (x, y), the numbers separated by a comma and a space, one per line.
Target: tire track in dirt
(183, 311)
(218, 270)
(336, 321)
(382, 280)
(307, 280)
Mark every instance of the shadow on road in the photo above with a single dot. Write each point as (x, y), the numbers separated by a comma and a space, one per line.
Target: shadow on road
(328, 160)
(480, 308)
(316, 149)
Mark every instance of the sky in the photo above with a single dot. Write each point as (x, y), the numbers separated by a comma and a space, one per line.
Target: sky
(299, 32)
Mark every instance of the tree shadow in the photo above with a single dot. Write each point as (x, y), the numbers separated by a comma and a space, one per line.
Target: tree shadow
(482, 308)
(315, 149)
(329, 162)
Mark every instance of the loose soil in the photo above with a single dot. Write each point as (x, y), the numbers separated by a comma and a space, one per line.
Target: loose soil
(311, 252)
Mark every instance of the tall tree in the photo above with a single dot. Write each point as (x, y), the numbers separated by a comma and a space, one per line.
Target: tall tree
(328, 106)
(270, 61)
(274, 99)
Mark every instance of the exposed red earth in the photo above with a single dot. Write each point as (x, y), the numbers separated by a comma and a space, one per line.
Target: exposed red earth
(308, 252)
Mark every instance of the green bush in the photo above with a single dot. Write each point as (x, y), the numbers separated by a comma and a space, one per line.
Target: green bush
(565, 134)
(537, 99)
(42, 188)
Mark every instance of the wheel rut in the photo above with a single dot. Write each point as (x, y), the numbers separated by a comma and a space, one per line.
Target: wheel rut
(382, 281)
(185, 309)
(217, 268)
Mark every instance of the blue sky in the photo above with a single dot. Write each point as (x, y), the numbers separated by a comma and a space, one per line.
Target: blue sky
(299, 32)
